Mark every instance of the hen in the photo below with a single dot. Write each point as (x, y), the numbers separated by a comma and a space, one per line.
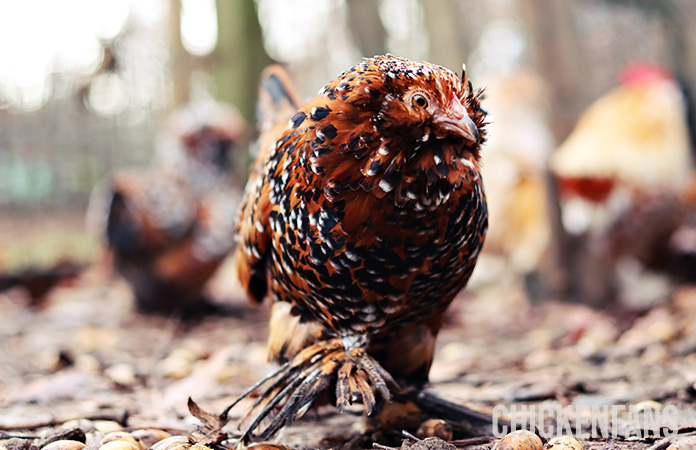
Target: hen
(621, 174)
(362, 220)
(38, 282)
(633, 138)
(168, 228)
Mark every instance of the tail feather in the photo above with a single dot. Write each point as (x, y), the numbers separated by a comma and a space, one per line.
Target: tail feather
(308, 376)
(123, 230)
(277, 98)
(277, 103)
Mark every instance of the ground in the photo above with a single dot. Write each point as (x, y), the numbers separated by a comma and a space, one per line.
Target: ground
(83, 353)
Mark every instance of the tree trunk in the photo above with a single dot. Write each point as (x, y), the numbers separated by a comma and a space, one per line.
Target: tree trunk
(558, 57)
(240, 55)
(179, 58)
(450, 32)
(366, 27)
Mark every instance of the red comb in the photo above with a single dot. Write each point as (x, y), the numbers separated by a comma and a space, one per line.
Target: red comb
(643, 73)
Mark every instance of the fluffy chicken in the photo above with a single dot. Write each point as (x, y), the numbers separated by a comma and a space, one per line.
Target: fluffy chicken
(362, 220)
(634, 138)
(621, 175)
(169, 228)
(38, 282)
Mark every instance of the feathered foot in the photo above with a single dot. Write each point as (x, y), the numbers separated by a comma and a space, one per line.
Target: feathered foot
(339, 362)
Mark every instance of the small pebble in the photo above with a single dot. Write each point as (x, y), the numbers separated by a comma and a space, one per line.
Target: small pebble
(107, 426)
(121, 374)
(119, 445)
(184, 353)
(64, 444)
(83, 424)
(121, 436)
(149, 436)
(520, 440)
(87, 363)
(563, 443)
(175, 367)
(172, 443)
(48, 360)
(435, 428)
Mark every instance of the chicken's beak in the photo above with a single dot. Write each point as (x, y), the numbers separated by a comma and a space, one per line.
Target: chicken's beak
(464, 127)
(455, 120)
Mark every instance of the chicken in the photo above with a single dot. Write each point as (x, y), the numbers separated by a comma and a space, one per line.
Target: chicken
(633, 139)
(170, 227)
(621, 173)
(38, 282)
(362, 220)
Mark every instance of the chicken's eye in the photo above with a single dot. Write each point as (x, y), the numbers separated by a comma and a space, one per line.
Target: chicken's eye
(419, 101)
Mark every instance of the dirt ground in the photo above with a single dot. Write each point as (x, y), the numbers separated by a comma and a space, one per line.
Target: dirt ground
(85, 354)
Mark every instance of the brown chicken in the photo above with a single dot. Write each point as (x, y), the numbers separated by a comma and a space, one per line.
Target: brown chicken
(633, 138)
(621, 174)
(38, 282)
(362, 220)
(169, 228)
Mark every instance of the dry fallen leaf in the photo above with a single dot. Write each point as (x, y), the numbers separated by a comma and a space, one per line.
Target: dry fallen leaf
(210, 430)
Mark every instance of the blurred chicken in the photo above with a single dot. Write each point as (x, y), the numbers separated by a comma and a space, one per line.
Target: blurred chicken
(632, 141)
(39, 281)
(516, 158)
(169, 228)
(622, 173)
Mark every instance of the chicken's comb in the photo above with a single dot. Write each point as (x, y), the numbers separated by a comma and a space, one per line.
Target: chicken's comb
(643, 73)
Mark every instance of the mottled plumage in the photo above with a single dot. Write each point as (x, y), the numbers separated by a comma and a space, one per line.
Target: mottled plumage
(634, 137)
(169, 227)
(622, 174)
(362, 220)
